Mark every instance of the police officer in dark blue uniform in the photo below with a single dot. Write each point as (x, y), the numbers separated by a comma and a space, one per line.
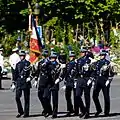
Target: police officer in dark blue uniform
(22, 83)
(103, 77)
(42, 80)
(89, 52)
(69, 77)
(84, 81)
(62, 57)
(55, 71)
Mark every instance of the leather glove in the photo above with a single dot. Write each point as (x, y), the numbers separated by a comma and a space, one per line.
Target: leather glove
(12, 87)
(35, 84)
(89, 82)
(57, 81)
(28, 79)
(107, 83)
(63, 88)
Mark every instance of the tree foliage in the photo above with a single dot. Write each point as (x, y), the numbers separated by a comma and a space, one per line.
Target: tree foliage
(62, 16)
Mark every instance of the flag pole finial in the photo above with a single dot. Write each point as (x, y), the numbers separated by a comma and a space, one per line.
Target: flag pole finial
(30, 18)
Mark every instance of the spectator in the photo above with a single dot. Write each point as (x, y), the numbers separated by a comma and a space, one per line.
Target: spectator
(13, 60)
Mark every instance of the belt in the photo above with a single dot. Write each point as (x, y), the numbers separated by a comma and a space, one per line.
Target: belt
(83, 76)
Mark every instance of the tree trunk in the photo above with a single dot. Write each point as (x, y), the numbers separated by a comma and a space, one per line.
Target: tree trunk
(76, 35)
(83, 30)
(66, 34)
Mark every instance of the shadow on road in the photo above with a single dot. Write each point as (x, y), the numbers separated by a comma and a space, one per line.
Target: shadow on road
(36, 115)
(110, 115)
(62, 112)
(5, 89)
(62, 115)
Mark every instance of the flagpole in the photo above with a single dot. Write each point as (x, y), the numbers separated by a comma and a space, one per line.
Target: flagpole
(37, 12)
(30, 18)
(37, 19)
(35, 41)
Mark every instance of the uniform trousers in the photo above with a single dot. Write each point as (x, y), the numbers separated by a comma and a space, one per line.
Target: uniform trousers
(54, 93)
(26, 92)
(68, 92)
(79, 92)
(101, 86)
(44, 97)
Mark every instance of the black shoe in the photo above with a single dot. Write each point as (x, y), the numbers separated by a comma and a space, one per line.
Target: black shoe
(106, 114)
(54, 116)
(50, 113)
(75, 114)
(72, 111)
(68, 114)
(81, 115)
(25, 116)
(43, 113)
(19, 115)
(97, 113)
(47, 115)
(86, 116)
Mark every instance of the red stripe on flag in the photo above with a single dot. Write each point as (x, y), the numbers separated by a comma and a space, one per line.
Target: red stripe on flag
(34, 57)
(34, 46)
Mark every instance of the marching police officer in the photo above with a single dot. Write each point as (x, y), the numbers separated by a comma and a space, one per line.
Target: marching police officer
(103, 77)
(55, 71)
(42, 80)
(62, 57)
(22, 83)
(70, 84)
(84, 81)
(107, 53)
(89, 53)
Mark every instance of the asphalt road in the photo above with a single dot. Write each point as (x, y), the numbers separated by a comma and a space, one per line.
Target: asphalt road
(8, 109)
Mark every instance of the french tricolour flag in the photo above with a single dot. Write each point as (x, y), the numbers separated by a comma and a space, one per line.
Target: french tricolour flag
(35, 42)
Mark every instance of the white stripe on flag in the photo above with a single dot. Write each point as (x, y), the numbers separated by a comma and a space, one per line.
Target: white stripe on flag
(34, 35)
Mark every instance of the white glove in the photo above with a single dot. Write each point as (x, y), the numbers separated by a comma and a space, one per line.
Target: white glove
(57, 81)
(76, 60)
(75, 84)
(105, 67)
(63, 66)
(89, 82)
(63, 88)
(35, 84)
(12, 87)
(110, 79)
(86, 67)
(107, 83)
(28, 79)
(43, 64)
